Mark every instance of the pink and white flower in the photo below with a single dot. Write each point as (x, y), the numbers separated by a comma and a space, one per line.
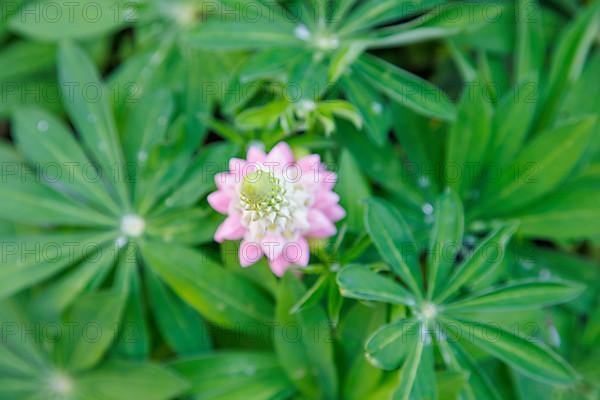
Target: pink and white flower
(274, 204)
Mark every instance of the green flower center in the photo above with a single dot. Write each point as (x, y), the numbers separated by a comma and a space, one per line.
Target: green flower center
(261, 191)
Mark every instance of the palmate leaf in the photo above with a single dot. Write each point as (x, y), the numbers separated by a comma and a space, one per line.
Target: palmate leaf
(87, 101)
(408, 373)
(103, 310)
(532, 359)
(469, 139)
(246, 35)
(393, 239)
(389, 346)
(358, 282)
(361, 377)
(179, 324)
(518, 295)
(67, 20)
(485, 257)
(219, 295)
(405, 87)
(53, 150)
(124, 380)
(568, 61)
(304, 343)
(372, 13)
(445, 240)
(235, 375)
(566, 213)
(53, 252)
(538, 169)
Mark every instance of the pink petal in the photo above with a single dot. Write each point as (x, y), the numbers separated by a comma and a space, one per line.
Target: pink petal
(320, 225)
(237, 165)
(328, 179)
(219, 200)
(256, 154)
(310, 163)
(280, 156)
(334, 212)
(272, 245)
(249, 253)
(325, 199)
(226, 181)
(279, 265)
(230, 229)
(299, 253)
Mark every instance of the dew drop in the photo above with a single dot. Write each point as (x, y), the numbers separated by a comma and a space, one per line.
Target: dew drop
(427, 209)
(42, 125)
(302, 32)
(142, 156)
(376, 107)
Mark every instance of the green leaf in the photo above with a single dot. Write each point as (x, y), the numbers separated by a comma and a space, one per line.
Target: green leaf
(408, 373)
(134, 341)
(65, 290)
(425, 386)
(303, 343)
(532, 359)
(361, 378)
(479, 384)
(519, 295)
(445, 240)
(530, 40)
(146, 127)
(95, 320)
(220, 295)
(120, 380)
(21, 59)
(568, 60)
(564, 214)
(62, 19)
(359, 282)
(372, 13)
(512, 120)
(405, 87)
(391, 344)
(234, 375)
(246, 35)
(485, 257)
(539, 168)
(89, 105)
(469, 139)
(180, 325)
(353, 189)
(371, 106)
(54, 152)
(53, 253)
(393, 239)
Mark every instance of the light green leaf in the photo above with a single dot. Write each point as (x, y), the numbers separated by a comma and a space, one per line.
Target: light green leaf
(445, 240)
(54, 152)
(539, 168)
(62, 19)
(518, 295)
(532, 359)
(485, 257)
(568, 60)
(220, 295)
(120, 380)
(391, 344)
(304, 344)
(359, 282)
(180, 325)
(405, 87)
(232, 375)
(408, 373)
(393, 239)
(469, 139)
(89, 105)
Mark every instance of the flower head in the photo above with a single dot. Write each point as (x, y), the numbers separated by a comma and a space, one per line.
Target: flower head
(274, 204)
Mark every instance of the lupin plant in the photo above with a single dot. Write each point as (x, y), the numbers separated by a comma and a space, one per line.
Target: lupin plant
(440, 311)
(316, 200)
